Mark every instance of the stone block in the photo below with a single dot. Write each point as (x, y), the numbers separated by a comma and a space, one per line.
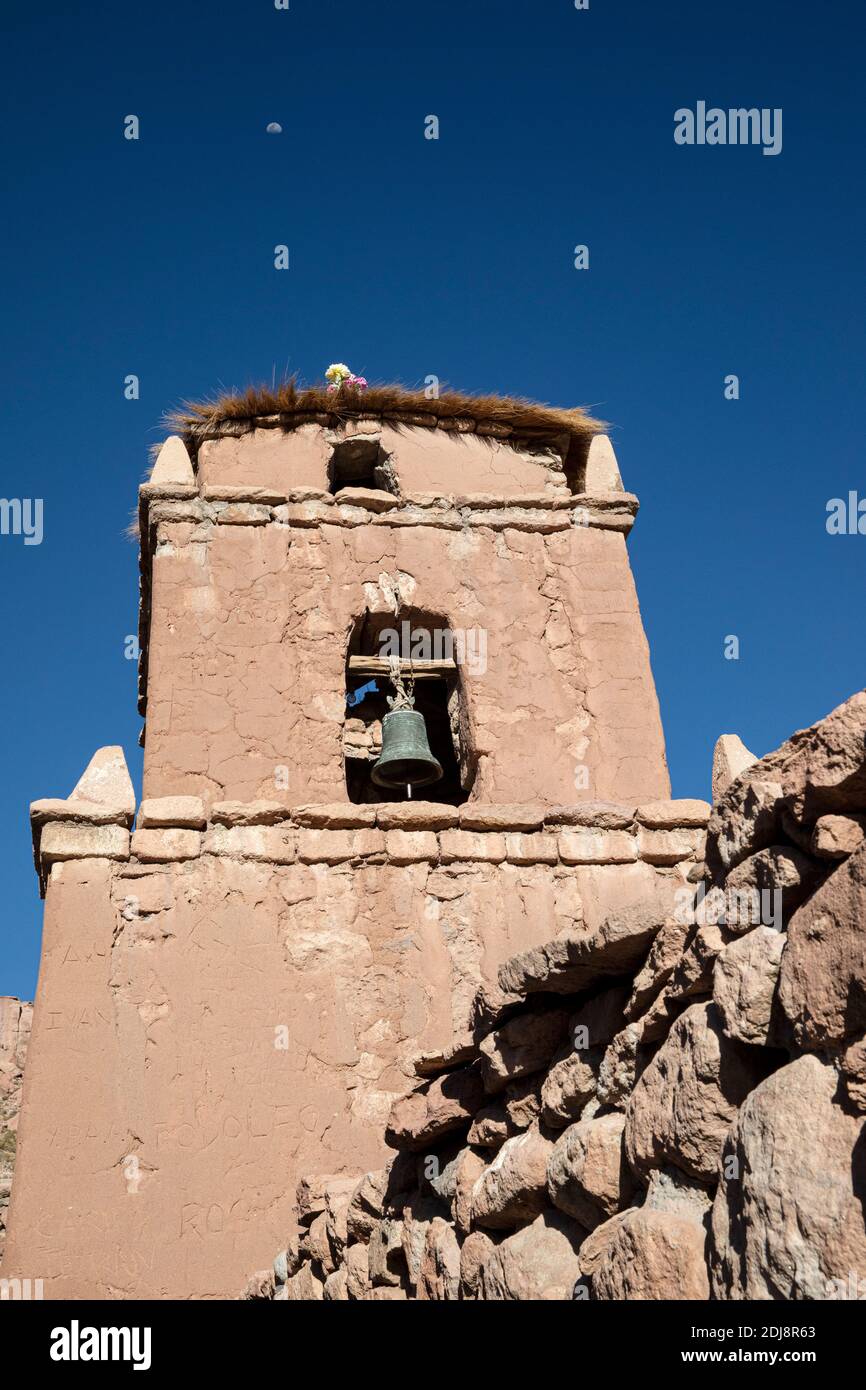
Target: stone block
(587, 1176)
(602, 470)
(185, 812)
(65, 840)
(744, 986)
(411, 846)
(665, 953)
(165, 846)
(313, 1192)
(248, 813)
(653, 1255)
(325, 846)
(822, 986)
(522, 519)
(366, 1205)
(569, 1085)
(672, 815)
(173, 464)
(787, 1220)
(243, 514)
(473, 1252)
(470, 847)
(416, 815)
(523, 1045)
(513, 1188)
(357, 1271)
(531, 849)
(440, 1264)
(267, 844)
(469, 1165)
(779, 869)
(662, 847)
(571, 964)
(83, 812)
(597, 815)
(228, 492)
(730, 758)
(371, 499)
(835, 837)
(597, 847)
(687, 1098)
(444, 1104)
(369, 844)
(747, 819)
(475, 816)
(337, 816)
(106, 781)
(537, 1264)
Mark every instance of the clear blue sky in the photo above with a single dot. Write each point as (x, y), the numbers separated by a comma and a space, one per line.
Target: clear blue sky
(455, 257)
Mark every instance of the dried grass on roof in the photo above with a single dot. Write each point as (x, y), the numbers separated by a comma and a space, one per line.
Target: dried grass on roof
(525, 419)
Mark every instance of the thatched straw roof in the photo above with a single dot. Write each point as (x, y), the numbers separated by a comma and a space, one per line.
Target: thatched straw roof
(502, 416)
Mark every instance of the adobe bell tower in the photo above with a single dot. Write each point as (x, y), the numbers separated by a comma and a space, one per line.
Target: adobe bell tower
(235, 990)
(278, 552)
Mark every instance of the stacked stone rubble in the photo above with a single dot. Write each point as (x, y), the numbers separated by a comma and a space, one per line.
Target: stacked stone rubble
(15, 1021)
(669, 1105)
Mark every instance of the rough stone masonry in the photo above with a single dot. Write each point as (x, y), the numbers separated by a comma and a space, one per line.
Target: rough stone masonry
(15, 1022)
(669, 1106)
(269, 970)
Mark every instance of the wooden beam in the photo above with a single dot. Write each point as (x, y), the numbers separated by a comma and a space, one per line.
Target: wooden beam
(421, 670)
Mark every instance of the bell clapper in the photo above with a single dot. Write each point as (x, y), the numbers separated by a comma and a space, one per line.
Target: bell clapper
(409, 791)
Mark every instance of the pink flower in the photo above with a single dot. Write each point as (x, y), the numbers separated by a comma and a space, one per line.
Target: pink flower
(357, 383)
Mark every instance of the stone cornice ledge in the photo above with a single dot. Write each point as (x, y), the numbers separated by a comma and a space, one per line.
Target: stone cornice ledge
(174, 829)
(304, 507)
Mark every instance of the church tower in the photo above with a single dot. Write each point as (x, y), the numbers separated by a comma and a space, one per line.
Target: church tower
(241, 974)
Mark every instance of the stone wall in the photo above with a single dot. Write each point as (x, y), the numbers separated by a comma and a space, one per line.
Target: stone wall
(15, 1021)
(668, 1105)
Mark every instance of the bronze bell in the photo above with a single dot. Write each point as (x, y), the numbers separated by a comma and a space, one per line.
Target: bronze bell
(406, 759)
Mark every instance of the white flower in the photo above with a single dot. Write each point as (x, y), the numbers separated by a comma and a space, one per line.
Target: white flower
(338, 371)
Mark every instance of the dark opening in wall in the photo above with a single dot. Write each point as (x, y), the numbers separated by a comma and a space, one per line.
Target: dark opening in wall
(360, 461)
(439, 698)
(574, 464)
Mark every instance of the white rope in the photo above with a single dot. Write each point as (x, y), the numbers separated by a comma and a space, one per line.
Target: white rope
(404, 696)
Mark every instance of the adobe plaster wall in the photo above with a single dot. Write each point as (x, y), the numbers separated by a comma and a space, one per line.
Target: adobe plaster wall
(251, 607)
(426, 461)
(211, 1027)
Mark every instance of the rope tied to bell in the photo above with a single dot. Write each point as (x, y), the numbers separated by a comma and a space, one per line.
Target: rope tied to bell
(404, 686)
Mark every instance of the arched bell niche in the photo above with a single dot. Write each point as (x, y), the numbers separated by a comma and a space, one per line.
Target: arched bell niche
(425, 647)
